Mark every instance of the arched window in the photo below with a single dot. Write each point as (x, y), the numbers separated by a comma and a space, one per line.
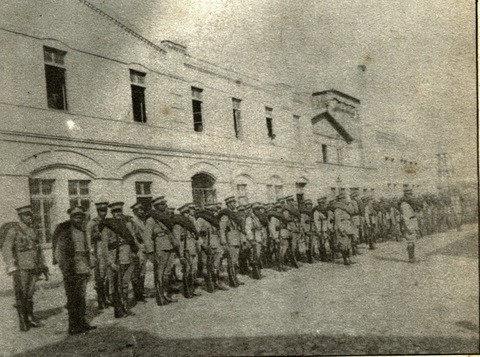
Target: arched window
(203, 189)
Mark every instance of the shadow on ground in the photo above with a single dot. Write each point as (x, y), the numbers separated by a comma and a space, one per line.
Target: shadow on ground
(119, 341)
(467, 248)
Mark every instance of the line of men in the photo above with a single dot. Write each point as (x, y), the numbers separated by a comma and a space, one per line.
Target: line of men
(194, 245)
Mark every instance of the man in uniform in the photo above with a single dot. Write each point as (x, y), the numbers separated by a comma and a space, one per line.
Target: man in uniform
(409, 222)
(260, 213)
(208, 226)
(320, 223)
(355, 209)
(162, 248)
(139, 221)
(230, 231)
(117, 234)
(73, 254)
(279, 234)
(100, 251)
(309, 230)
(343, 227)
(24, 261)
(253, 232)
(370, 221)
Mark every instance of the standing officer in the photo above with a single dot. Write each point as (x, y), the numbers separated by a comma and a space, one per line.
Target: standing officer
(320, 222)
(72, 252)
(279, 234)
(370, 220)
(253, 230)
(356, 222)
(100, 252)
(117, 233)
(24, 260)
(409, 222)
(139, 220)
(308, 229)
(230, 231)
(208, 226)
(259, 212)
(343, 227)
(162, 248)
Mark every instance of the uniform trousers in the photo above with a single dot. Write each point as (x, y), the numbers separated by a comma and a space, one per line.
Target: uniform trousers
(76, 290)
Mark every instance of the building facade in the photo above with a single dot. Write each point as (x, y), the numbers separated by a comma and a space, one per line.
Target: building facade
(90, 109)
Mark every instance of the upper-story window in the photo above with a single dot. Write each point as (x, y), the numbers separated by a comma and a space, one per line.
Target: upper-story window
(197, 109)
(55, 78)
(269, 122)
(237, 118)
(137, 80)
(325, 153)
(296, 128)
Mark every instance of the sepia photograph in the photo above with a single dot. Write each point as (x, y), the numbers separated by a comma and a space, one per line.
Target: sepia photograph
(238, 178)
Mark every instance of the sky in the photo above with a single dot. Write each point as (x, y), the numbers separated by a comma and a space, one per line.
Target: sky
(419, 55)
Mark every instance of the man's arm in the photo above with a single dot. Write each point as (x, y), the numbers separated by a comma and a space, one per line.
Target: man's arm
(7, 251)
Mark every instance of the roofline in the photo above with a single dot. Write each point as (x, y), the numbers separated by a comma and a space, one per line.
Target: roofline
(336, 125)
(334, 91)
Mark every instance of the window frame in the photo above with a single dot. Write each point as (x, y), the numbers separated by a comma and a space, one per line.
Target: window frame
(54, 68)
(43, 227)
(197, 109)
(138, 88)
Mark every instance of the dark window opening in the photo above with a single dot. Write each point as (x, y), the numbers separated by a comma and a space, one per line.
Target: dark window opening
(138, 104)
(197, 115)
(56, 89)
(325, 153)
(270, 128)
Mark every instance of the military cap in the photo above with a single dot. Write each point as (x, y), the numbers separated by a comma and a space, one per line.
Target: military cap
(159, 200)
(248, 206)
(322, 199)
(184, 208)
(241, 208)
(171, 209)
(24, 209)
(230, 199)
(282, 200)
(76, 211)
(307, 202)
(116, 206)
(219, 205)
(256, 205)
(192, 205)
(289, 198)
(408, 190)
(278, 204)
(136, 205)
(101, 205)
(354, 194)
(341, 195)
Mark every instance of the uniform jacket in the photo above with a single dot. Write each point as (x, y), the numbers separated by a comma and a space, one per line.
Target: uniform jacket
(408, 218)
(184, 229)
(278, 226)
(72, 258)
(99, 247)
(230, 227)
(158, 235)
(117, 234)
(253, 228)
(319, 219)
(21, 248)
(208, 226)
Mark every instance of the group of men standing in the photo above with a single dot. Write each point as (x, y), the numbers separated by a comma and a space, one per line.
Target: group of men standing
(207, 246)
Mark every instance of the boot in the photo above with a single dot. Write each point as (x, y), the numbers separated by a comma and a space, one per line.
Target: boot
(235, 275)
(346, 261)
(371, 245)
(74, 326)
(100, 298)
(232, 278)
(411, 252)
(22, 317)
(217, 283)
(167, 295)
(210, 282)
(159, 295)
(32, 321)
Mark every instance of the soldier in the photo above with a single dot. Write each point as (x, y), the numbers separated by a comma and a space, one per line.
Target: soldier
(24, 261)
(356, 222)
(139, 221)
(295, 228)
(279, 234)
(230, 231)
(162, 248)
(116, 233)
(260, 213)
(343, 227)
(100, 251)
(457, 211)
(370, 222)
(208, 226)
(73, 254)
(184, 231)
(331, 229)
(253, 230)
(309, 230)
(409, 222)
(243, 267)
(320, 222)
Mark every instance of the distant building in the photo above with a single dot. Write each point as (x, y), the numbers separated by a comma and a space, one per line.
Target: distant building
(91, 109)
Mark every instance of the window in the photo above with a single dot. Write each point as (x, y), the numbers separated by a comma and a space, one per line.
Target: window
(137, 80)
(324, 153)
(203, 189)
(197, 109)
(242, 192)
(296, 127)
(42, 200)
(274, 192)
(143, 192)
(269, 122)
(55, 78)
(237, 124)
(340, 155)
(79, 193)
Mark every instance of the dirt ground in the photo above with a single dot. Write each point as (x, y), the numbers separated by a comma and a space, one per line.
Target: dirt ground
(381, 305)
